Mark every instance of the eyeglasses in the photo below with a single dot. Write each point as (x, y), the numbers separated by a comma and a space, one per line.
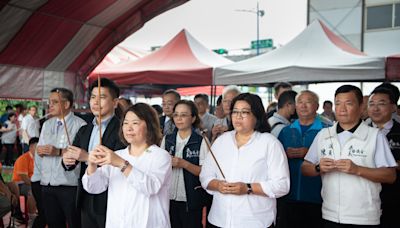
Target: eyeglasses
(181, 115)
(378, 105)
(242, 113)
(227, 101)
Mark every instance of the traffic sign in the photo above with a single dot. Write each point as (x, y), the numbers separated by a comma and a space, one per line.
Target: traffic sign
(267, 43)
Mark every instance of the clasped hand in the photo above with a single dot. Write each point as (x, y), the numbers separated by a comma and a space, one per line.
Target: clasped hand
(73, 154)
(238, 188)
(46, 150)
(178, 162)
(341, 165)
(101, 155)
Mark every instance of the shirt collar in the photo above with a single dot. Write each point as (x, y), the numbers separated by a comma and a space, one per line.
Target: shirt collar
(104, 122)
(339, 129)
(66, 118)
(280, 117)
(387, 126)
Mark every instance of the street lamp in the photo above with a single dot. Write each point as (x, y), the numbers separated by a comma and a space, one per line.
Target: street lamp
(259, 13)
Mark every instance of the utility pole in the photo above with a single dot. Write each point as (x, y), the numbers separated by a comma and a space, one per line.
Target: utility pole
(259, 13)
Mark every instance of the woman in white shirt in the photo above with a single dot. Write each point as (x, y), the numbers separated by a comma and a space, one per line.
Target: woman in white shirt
(188, 150)
(9, 137)
(137, 177)
(254, 165)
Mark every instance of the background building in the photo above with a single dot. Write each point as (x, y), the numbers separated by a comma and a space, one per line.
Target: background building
(372, 26)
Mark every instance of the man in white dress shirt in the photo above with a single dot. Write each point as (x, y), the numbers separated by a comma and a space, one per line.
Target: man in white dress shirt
(58, 186)
(29, 127)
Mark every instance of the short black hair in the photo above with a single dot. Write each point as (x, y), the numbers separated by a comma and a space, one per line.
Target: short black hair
(158, 108)
(9, 107)
(173, 92)
(193, 110)
(348, 89)
(11, 114)
(219, 100)
(393, 88)
(202, 96)
(65, 94)
(106, 83)
(20, 106)
(327, 102)
(385, 90)
(287, 97)
(33, 140)
(281, 85)
(257, 109)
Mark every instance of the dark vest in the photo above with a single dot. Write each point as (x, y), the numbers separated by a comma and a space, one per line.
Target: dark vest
(195, 194)
(390, 193)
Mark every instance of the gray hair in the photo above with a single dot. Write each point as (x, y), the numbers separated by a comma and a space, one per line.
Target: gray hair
(313, 94)
(230, 89)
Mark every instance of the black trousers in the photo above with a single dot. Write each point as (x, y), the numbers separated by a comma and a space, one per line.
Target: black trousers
(390, 215)
(59, 206)
(181, 218)
(9, 159)
(212, 226)
(19, 146)
(89, 216)
(208, 208)
(40, 220)
(329, 224)
(299, 214)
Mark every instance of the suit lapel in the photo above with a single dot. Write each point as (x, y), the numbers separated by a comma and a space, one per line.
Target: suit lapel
(109, 130)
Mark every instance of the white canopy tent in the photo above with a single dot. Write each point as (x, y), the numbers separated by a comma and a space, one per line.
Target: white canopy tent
(315, 55)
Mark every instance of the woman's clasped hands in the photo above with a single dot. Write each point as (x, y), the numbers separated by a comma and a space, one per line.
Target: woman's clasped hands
(237, 188)
(101, 155)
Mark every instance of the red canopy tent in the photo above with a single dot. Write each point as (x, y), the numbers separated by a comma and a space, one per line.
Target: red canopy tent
(190, 91)
(393, 68)
(182, 61)
(44, 44)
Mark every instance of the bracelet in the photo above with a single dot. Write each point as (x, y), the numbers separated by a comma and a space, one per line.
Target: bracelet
(123, 168)
(249, 189)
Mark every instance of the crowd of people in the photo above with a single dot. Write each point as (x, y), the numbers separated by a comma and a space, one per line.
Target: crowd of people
(134, 165)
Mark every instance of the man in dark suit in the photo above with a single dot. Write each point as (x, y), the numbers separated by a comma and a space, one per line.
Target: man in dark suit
(169, 99)
(94, 206)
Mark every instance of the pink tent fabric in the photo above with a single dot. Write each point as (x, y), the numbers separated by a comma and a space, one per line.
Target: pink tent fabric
(48, 43)
(119, 55)
(393, 67)
(191, 91)
(182, 61)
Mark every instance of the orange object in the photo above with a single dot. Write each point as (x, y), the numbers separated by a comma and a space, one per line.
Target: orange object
(23, 165)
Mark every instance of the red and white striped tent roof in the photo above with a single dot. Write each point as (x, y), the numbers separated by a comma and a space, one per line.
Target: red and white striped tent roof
(49, 43)
(119, 55)
(315, 55)
(182, 61)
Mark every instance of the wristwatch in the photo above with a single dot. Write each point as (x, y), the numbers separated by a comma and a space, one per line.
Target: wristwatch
(126, 163)
(317, 168)
(249, 189)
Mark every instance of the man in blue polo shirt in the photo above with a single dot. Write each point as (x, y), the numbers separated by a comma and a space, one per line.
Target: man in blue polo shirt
(302, 206)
